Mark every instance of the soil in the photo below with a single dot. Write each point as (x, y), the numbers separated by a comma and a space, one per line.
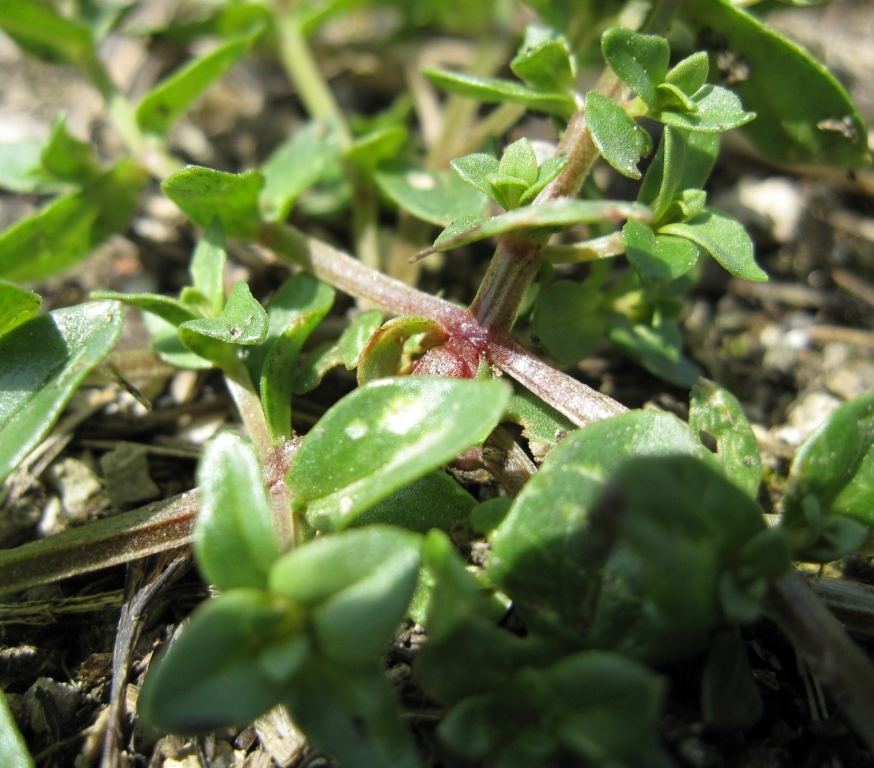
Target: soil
(791, 349)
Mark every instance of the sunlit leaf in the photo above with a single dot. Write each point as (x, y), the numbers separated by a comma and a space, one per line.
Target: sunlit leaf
(166, 102)
(69, 227)
(384, 435)
(495, 90)
(620, 140)
(554, 213)
(640, 60)
(234, 538)
(16, 305)
(204, 194)
(13, 749)
(657, 256)
(34, 388)
(724, 238)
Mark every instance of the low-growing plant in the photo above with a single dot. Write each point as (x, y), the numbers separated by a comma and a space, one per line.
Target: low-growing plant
(633, 546)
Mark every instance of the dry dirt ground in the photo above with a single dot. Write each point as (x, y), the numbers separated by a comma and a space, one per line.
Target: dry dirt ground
(791, 349)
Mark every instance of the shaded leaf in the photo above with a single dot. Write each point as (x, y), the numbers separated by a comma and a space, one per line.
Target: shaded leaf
(541, 551)
(729, 697)
(568, 320)
(35, 388)
(657, 346)
(805, 115)
(217, 672)
(207, 267)
(345, 351)
(297, 164)
(170, 310)
(384, 353)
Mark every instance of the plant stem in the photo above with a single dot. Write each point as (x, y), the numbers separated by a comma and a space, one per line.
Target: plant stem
(819, 638)
(580, 403)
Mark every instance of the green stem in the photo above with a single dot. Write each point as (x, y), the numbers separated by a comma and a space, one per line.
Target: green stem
(301, 66)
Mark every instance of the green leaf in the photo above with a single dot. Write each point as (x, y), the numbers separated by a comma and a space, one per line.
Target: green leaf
(681, 525)
(167, 101)
(546, 172)
(222, 669)
(477, 170)
(716, 412)
(277, 375)
(724, 238)
(242, 321)
(683, 161)
(68, 228)
(546, 553)
(519, 162)
(169, 347)
(45, 34)
(204, 194)
(345, 351)
(551, 214)
(21, 168)
(620, 140)
(545, 61)
(434, 196)
(170, 310)
(16, 306)
(35, 388)
(542, 426)
(352, 715)
(295, 165)
(13, 749)
(716, 109)
(234, 539)
(657, 346)
(207, 267)
(382, 143)
(491, 90)
(568, 320)
(730, 699)
(658, 257)
(384, 435)
(384, 353)
(435, 500)
(66, 158)
(641, 61)
(326, 566)
(830, 495)
(690, 74)
(606, 704)
(805, 115)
